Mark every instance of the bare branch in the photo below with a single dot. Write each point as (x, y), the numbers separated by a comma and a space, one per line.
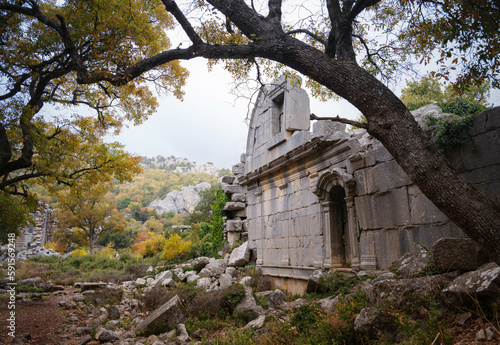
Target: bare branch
(309, 33)
(341, 120)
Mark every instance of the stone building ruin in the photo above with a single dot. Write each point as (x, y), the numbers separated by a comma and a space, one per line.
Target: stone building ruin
(333, 199)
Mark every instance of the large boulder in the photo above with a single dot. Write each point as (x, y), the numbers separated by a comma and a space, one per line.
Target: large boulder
(161, 277)
(249, 305)
(168, 316)
(217, 267)
(276, 298)
(240, 256)
(376, 324)
(400, 292)
(200, 262)
(313, 281)
(479, 284)
(413, 262)
(457, 254)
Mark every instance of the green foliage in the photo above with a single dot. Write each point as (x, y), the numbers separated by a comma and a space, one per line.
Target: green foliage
(430, 327)
(104, 296)
(305, 317)
(13, 215)
(337, 284)
(217, 235)
(230, 298)
(421, 92)
(462, 107)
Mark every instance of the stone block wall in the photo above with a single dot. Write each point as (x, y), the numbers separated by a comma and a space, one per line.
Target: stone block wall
(332, 199)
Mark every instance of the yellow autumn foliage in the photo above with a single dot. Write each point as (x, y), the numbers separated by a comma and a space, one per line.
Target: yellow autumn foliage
(175, 247)
(79, 252)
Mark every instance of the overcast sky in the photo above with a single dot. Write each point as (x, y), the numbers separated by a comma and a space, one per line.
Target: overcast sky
(208, 126)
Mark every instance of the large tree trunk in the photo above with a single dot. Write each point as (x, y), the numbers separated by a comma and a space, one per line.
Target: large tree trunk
(390, 122)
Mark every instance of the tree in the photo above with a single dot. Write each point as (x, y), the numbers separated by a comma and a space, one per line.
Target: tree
(326, 45)
(91, 211)
(38, 69)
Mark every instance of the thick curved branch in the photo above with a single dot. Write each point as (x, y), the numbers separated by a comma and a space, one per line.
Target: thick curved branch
(172, 7)
(341, 120)
(274, 15)
(16, 88)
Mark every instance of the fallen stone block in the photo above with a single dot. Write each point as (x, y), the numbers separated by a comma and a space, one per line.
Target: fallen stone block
(168, 316)
(240, 256)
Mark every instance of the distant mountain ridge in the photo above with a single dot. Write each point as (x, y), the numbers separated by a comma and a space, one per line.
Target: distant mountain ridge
(177, 164)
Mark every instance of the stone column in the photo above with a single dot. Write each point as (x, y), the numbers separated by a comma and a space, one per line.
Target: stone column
(353, 233)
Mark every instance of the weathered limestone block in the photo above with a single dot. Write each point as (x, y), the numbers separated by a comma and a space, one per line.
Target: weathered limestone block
(140, 282)
(456, 254)
(234, 225)
(248, 304)
(257, 323)
(398, 292)
(167, 316)
(413, 262)
(313, 282)
(276, 298)
(161, 277)
(204, 282)
(234, 206)
(205, 272)
(169, 282)
(376, 324)
(481, 283)
(239, 168)
(106, 336)
(227, 179)
(234, 188)
(240, 256)
(239, 197)
(326, 127)
(225, 280)
(217, 266)
(200, 262)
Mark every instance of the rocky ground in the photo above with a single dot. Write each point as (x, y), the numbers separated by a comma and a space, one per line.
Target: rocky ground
(107, 313)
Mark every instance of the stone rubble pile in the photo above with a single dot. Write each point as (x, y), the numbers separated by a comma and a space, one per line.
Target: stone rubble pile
(406, 284)
(235, 225)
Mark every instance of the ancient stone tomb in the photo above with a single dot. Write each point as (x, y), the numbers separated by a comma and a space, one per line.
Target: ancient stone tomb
(335, 199)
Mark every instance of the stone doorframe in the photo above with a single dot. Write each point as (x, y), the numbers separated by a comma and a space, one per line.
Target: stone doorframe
(333, 255)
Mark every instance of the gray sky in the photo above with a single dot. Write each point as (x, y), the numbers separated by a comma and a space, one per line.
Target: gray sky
(208, 126)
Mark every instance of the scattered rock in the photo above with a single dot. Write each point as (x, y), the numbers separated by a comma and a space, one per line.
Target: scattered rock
(171, 314)
(257, 323)
(217, 266)
(113, 313)
(106, 336)
(248, 304)
(225, 280)
(140, 282)
(413, 262)
(240, 256)
(200, 262)
(276, 298)
(457, 254)
(481, 283)
(161, 277)
(85, 340)
(204, 282)
(376, 324)
(181, 333)
(246, 281)
(91, 286)
(313, 281)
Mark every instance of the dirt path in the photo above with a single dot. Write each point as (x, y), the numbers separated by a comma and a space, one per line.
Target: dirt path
(41, 319)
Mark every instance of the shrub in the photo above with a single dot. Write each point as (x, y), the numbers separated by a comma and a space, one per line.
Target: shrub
(107, 251)
(80, 252)
(57, 246)
(231, 297)
(175, 247)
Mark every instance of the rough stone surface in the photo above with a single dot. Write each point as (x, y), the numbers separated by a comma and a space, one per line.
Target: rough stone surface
(106, 336)
(375, 324)
(217, 266)
(200, 262)
(400, 292)
(140, 282)
(413, 262)
(113, 313)
(204, 282)
(91, 286)
(161, 277)
(183, 201)
(182, 334)
(240, 256)
(456, 254)
(171, 314)
(481, 283)
(313, 281)
(225, 280)
(257, 323)
(248, 304)
(276, 298)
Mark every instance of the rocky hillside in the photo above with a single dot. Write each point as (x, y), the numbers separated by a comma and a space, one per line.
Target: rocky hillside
(181, 165)
(183, 201)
